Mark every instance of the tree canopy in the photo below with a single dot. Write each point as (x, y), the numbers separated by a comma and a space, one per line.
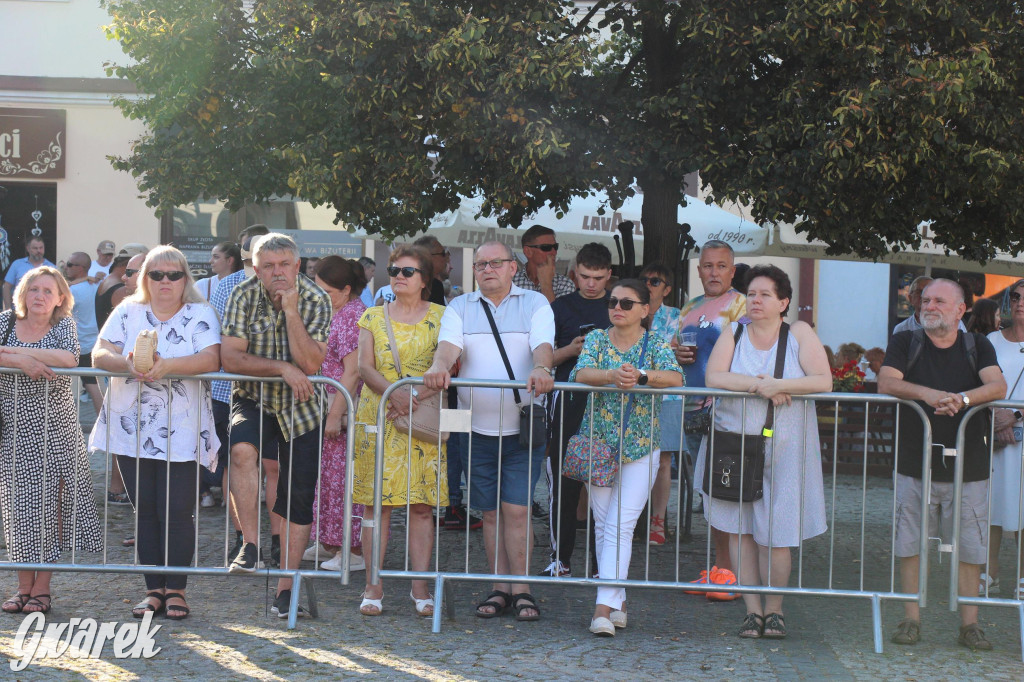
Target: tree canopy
(858, 119)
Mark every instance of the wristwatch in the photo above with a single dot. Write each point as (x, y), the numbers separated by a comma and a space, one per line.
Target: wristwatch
(546, 369)
(967, 400)
(643, 378)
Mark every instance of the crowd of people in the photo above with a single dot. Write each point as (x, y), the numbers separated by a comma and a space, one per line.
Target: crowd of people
(265, 312)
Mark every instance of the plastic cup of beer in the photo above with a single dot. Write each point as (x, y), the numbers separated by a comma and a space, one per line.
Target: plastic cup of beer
(688, 339)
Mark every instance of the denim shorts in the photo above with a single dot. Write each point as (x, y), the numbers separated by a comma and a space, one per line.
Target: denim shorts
(519, 475)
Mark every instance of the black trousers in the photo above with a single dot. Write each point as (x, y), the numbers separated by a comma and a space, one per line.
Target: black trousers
(157, 522)
(564, 493)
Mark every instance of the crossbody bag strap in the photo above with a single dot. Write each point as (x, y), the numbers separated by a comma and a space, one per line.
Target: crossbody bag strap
(780, 363)
(501, 349)
(391, 340)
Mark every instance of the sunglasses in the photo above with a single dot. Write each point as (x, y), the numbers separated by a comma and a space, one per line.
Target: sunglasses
(653, 281)
(158, 275)
(546, 248)
(624, 303)
(445, 253)
(129, 272)
(407, 271)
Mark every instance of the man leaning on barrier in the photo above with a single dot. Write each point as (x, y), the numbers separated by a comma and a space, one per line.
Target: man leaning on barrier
(526, 327)
(946, 371)
(275, 325)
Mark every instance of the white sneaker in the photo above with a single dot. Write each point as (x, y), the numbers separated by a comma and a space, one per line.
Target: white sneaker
(313, 553)
(602, 627)
(207, 500)
(355, 563)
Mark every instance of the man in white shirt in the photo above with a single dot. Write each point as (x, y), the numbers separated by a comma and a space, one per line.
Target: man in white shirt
(100, 267)
(76, 271)
(526, 327)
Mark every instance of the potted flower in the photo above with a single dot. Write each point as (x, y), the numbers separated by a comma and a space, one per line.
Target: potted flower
(848, 379)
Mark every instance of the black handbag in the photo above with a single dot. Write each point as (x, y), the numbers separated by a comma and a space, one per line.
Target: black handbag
(734, 467)
(533, 419)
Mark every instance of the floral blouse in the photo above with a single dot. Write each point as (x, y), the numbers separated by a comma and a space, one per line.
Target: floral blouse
(599, 353)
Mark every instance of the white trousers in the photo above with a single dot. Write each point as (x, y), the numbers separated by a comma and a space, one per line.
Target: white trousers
(616, 511)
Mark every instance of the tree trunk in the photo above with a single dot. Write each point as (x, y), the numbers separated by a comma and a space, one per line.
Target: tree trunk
(661, 231)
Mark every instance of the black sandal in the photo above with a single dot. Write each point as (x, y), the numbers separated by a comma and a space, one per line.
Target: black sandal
(499, 608)
(18, 600)
(531, 603)
(181, 610)
(774, 621)
(144, 606)
(753, 626)
(34, 601)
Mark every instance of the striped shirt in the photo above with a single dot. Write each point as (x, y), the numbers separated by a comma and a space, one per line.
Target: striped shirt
(251, 316)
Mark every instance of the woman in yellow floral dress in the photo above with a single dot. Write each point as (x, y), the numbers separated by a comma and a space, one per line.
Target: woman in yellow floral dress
(415, 476)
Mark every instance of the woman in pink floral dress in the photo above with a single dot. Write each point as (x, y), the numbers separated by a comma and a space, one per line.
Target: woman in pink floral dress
(343, 280)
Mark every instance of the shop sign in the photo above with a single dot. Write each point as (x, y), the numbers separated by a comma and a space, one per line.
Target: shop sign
(32, 143)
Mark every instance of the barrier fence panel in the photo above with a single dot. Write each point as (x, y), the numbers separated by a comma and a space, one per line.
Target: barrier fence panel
(1003, 515)
(142, 412)
(851, 507)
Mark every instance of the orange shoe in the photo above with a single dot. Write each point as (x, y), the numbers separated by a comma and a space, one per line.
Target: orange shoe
(657, 534)
(702, 580)
(722, 576)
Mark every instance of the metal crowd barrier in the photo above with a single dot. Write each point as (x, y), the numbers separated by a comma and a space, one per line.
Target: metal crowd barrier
(106, 565)
(457, 567)
(1016, 598)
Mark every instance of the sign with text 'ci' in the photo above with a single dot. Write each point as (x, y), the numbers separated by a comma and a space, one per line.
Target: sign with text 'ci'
(32, 143)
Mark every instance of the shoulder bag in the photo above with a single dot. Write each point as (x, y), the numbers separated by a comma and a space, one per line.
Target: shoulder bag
(734, 466)
(424, 422)
(592, 460)
(531, 417)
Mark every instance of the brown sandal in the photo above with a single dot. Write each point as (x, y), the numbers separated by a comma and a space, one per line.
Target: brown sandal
(753, 626)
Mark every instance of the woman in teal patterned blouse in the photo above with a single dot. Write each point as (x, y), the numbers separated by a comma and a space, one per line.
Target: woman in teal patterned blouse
(625, 356)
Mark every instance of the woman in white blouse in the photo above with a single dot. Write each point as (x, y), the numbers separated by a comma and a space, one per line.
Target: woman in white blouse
(161, 429)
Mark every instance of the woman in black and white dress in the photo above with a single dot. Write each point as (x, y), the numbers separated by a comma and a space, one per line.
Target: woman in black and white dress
(161, 429)
(46, 494)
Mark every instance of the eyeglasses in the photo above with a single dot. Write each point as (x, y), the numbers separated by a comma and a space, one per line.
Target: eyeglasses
(1014, 297)
(481, 265)
(624, 303)
(653, 281)
(129, 272)
(158, 275)
(407, 272)
(546, 248)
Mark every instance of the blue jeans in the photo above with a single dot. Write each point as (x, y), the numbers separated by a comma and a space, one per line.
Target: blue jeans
(519, 469)
(456, 447)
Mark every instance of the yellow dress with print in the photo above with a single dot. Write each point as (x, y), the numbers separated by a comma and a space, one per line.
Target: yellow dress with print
(421, 471)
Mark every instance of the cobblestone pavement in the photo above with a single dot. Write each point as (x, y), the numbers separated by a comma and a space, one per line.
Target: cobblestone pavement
(231, 634)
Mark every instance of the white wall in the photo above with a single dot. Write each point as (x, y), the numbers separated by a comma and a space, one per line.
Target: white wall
(852, 303)
(55, 38)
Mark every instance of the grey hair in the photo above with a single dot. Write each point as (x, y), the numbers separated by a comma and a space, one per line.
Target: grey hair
(273, 241)
(956, 286)
(921, 281)
(717, 244)
(505, 247)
